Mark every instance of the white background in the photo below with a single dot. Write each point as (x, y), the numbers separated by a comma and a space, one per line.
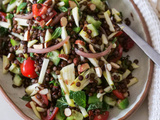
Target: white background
(7, 113)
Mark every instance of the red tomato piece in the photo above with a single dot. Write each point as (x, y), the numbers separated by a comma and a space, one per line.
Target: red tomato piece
(80, 42)
(28, 69)
(42, 11)
(103, 116)
(118, 94)
(28, 105)
(129, 44)
(3, 16)
(44, 97)
(53, 114)
(119, 33)
(120, 52)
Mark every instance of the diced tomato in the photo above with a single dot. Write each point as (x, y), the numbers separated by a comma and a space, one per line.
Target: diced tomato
(28, 69)
(118, 94)
(103, 116)
(51, 116)
(28, 105)
(44, 97)
(42, 11)
(3, 16)
(119, 33)
(120, 52)
(129, 44)
(90, 113)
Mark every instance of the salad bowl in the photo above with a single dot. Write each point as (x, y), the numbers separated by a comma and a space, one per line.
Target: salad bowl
(138, 92)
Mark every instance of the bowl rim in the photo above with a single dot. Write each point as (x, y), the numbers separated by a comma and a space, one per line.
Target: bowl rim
(148, 85)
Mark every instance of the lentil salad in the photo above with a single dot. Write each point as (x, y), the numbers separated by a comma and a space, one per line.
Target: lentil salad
(67, 54)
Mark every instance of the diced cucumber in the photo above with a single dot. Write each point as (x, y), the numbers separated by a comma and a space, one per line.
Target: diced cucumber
(54, 58)
(75, 116)
(12, 6)
(132, 82)
(123, 104)
(91, 20)
(31, 43)
(12, 67)
(93, 29)
(59, 116)
(109, 101)
(5, 63)
(85, 36)
(93, 99)
(17, 80)
(48, 36)
(125, 75)
(99, 4)
(16, 70)
(14, 43)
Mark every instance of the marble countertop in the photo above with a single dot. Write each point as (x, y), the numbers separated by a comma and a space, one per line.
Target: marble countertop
(7, 113)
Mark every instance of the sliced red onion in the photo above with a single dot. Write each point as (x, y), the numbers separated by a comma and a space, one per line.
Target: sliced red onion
(26, 16)
(94, 55)
(52, 48)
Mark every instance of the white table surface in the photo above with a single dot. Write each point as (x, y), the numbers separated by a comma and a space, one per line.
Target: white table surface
(7, 113)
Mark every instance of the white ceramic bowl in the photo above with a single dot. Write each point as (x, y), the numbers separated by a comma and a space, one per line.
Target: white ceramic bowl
(138, 92)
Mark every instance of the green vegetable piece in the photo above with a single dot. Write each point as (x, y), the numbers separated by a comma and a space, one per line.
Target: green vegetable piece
(66, 3)
(99, 4)
(93, 99)
(16, 70)
(20, 59)
(17, 80)
(97, 105)
(14, 43)
(31, 54)
(91, 20)
(59, 116)
(76, 29)
(114, 40)
(9, 16)
(54, 75)
(26, 98)
(41, 1)
(79, 98)
(21, 6)
(123, 104)
(109, 101)
(63, 9)
(93, 29)
(71, 94)
(12, 1)
(61, 104)
(75, 116)
(53, 56)
(57, 33)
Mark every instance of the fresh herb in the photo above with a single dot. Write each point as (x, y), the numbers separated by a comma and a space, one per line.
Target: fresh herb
(76, 29)
(26, 98)
(114, 40)
(31, 54)
(40, 28)
(12, 1)
(40, 1)
(56, 33)
(20, 59)
(66, 3)
(79, 98)
(71, 94)
(9, 16)
(53, 82)
(63, 9)
(97, 105)
(50, 54)
(3, 31)
(21, 6)
(37, 73)
(62, 104)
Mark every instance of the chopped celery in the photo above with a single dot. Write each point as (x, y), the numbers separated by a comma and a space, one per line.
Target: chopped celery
(91, 20)
(93, 29)
(93, 99)
(5, 63)
(125, 75)
(17, 80)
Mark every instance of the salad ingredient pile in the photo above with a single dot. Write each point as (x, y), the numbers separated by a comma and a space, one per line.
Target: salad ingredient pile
(67, 54)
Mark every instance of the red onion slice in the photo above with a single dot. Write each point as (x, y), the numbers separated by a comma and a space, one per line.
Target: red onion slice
(94, 55)
(26, 16)
(46, 50)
